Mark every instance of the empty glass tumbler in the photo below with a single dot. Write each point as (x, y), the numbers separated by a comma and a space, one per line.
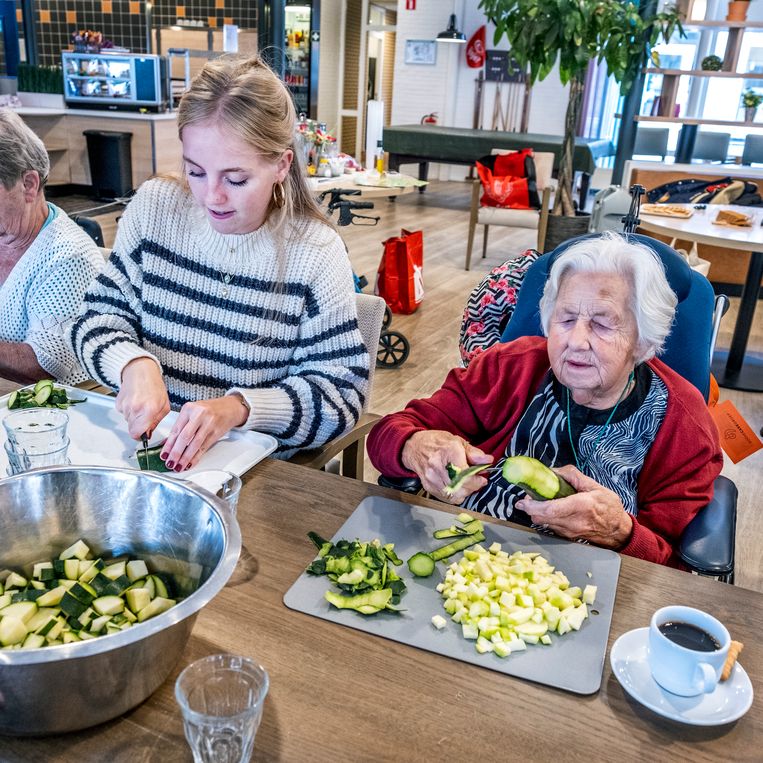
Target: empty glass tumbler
(221, 698)
(36, 437)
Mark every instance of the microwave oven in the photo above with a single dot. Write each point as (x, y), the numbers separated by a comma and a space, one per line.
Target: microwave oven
(118, 81)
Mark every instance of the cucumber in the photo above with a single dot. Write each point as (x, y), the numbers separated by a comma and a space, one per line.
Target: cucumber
(74, 598)
(421, 565)
(44, 394)
(457, 545)
(150, 460)
(459, 476)
(368, 603)
(535, 478)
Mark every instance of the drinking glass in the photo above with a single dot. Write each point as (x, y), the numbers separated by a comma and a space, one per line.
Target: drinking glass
(221, 698)
(43, 429)
(31, 458)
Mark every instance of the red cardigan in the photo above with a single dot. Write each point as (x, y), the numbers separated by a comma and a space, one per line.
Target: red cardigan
(484, 403)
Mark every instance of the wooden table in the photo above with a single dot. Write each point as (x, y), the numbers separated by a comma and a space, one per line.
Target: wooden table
(338, 694)
(731, 369)
(421, 144)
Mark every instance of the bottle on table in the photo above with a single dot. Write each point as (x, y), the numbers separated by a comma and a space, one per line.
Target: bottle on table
(379, 157)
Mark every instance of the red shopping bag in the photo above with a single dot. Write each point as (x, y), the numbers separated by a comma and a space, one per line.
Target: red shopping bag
(399, 280)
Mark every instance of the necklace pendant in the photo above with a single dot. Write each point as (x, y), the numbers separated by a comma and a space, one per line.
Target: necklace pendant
(225, 291)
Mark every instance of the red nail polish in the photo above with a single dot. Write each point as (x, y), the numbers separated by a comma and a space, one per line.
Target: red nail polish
(170, 464)
(178, 468)
(163, 456)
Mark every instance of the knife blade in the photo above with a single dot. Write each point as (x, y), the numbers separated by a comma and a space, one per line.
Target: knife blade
(144, 442)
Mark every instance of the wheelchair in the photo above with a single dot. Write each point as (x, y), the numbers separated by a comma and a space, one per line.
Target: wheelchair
(394, 348)
(707, 544)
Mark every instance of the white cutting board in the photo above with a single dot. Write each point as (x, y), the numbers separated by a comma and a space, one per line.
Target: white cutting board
(98, 436)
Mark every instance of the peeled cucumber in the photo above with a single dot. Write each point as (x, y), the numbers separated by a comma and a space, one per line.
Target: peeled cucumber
(535, 478)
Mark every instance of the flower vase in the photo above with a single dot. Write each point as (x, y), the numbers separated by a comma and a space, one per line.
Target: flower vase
(749, 113)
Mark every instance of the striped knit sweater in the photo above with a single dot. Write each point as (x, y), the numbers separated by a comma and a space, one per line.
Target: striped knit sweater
(41, 296)
(272, 318)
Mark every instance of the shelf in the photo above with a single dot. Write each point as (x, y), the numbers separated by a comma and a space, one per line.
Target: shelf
(98, 76)
(699, 121)
(704, 73)
(723, 24)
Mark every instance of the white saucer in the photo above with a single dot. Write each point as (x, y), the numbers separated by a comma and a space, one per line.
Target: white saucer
(730, 700)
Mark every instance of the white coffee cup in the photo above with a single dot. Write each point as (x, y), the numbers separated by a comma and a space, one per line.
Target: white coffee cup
(678, 668)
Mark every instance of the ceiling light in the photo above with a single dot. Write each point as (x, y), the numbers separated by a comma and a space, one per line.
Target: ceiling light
(451, 34)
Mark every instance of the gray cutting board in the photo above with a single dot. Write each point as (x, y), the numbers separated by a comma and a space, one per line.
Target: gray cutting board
(573, 662)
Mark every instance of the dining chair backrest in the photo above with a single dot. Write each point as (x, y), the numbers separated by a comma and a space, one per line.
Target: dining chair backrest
(711, 146)
(651, 141)
(370, 319)
(544, 165)
(687, 348)
(753, 150)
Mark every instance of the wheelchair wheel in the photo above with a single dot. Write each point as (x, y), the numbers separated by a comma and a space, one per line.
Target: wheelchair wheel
(387, 318)
(393, 350)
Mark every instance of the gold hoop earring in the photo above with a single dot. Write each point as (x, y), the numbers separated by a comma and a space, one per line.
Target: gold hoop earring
(279, 195)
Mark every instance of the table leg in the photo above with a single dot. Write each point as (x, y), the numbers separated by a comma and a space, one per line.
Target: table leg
(585, 184)
(423, 174)
(736, 374)
(685, 145)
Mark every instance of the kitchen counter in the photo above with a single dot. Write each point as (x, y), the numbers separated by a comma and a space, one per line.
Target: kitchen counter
(155, 147)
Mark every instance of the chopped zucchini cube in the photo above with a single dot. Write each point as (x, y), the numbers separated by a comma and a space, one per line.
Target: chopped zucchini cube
(12, 631)
(108, 605)
(78, 550)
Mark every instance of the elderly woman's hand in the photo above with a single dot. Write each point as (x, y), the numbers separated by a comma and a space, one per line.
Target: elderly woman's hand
(142, 398)
(199, 426)
(428, 453)
(594, 513)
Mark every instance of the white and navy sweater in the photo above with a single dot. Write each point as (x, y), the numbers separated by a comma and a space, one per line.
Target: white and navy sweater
(272, 318)
(41, 296)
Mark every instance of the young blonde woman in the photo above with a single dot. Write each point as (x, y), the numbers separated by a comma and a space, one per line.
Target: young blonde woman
(228, 296)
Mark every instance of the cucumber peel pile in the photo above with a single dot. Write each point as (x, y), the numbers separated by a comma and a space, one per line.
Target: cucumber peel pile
(505, 602)
(469, 532)
(362, 570)
(44, 394)
(77, 598)
(535, 478)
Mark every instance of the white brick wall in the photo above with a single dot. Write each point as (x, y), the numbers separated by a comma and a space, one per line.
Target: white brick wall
(448, 87)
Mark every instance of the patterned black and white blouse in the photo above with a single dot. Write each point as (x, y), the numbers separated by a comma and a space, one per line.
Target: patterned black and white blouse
(615, 462)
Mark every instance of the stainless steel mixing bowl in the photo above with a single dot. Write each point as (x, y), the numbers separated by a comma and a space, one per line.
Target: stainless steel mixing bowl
(176, 527)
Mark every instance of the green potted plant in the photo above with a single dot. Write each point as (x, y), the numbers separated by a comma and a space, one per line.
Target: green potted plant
(41, 86)
(542, 33)
(737, 10)
(750, 100)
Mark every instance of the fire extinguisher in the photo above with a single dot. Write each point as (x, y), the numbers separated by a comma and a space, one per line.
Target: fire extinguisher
(429, 119)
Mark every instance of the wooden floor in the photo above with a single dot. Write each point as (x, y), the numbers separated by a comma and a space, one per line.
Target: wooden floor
(442, 213)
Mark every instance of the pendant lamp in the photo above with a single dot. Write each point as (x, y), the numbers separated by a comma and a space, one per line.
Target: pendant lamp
(451, 34)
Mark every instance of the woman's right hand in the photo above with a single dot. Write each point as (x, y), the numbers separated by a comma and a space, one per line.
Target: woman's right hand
(429, 452)
(142, 398)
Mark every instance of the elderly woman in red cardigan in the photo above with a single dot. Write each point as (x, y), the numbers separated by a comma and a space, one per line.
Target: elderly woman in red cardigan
(590, 400)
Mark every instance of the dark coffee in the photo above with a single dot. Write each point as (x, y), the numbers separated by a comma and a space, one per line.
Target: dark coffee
(689, 636)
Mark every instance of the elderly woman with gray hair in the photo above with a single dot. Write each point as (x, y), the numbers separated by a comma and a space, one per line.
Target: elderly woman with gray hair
(590, 399)
(46, 264)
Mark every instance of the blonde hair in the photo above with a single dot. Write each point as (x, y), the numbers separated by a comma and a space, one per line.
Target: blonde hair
(247, 97)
